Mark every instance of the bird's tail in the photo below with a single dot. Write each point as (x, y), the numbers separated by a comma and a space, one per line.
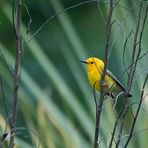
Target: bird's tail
(130, 95)
(115, 101)
(124, 94)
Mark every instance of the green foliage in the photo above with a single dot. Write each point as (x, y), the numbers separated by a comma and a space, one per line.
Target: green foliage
(56, 106)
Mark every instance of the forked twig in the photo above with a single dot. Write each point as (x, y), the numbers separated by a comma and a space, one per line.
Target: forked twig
(135, 57)
(144, 84)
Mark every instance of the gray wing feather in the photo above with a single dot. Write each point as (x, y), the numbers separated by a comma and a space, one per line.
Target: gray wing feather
(116, 80)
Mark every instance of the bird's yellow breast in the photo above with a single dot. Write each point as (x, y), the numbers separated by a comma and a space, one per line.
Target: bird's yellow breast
(94, 77)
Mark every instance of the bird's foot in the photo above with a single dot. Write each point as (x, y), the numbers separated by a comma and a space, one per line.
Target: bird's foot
(102, 83)
(99, 108)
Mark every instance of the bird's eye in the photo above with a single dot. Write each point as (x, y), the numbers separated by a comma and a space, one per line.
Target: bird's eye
(92, 62)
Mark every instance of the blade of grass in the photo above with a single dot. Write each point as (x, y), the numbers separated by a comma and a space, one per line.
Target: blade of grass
(69, 30)
(52, 110)
(56, 78)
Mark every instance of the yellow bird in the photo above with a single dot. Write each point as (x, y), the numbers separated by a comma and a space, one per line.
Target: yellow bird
(111, 86)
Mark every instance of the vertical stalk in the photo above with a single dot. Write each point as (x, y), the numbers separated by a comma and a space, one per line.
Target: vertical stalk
(100, 103)
(16, 71)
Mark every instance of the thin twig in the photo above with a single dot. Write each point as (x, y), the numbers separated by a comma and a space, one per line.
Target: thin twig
(55, 15)
(69, 8)
(116, 123)
(30, 18)
(141, 99)
(137, 112)
(100, 103)
(4, 101)
(124, 20)
(13, 16)
(5, 61)
(16, 74)
(132, 64)
(124, 49)
(132, 70)
(113, 133)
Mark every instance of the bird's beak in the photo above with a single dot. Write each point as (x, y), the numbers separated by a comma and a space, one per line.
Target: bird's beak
(84, 62)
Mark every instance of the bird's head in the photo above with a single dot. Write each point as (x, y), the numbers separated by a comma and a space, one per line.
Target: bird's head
(93, 63)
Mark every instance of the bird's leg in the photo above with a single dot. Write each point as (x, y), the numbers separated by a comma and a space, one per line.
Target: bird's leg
(105, 97)
(110, 94)
(99, 108)
(102, 83)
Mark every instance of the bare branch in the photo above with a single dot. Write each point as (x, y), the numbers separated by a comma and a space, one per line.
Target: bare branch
(16, 74)
(133, 68)
(100, 103)
(140, 57)
(113, 133)
(30, 18)
(141, 99)
(124, 49)
(137, 112)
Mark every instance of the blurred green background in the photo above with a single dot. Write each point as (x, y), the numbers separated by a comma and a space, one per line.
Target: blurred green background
(56, 106)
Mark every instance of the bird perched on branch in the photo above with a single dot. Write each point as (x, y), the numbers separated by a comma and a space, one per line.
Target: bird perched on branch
(111, 86)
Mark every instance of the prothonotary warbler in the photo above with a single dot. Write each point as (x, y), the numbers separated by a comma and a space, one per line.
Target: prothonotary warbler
(111, 86)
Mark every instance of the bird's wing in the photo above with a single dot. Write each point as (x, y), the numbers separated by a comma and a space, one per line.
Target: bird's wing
(116, 80)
